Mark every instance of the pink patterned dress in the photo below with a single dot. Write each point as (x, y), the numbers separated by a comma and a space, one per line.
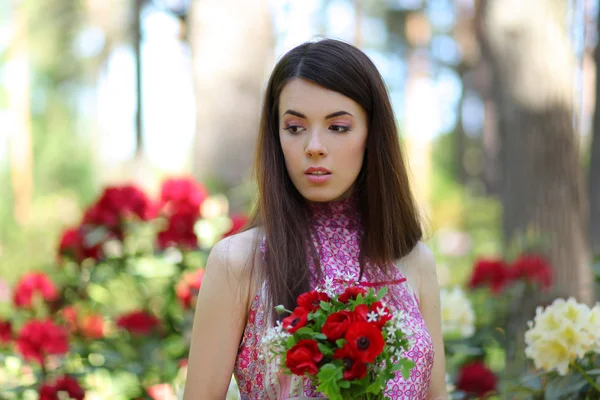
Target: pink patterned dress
(336, 233)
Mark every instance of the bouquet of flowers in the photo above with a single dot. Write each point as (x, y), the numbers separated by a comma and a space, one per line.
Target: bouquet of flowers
(349, 345)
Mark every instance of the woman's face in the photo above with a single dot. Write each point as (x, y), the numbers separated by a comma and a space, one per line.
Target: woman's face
(323, 136)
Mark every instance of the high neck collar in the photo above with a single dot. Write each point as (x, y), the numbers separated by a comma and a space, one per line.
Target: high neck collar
(334, 209)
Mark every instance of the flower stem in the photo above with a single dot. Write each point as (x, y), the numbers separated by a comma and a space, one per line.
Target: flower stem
(586, 376)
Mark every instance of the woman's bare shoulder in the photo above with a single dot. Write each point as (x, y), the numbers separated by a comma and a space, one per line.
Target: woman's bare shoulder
(420, 256)
(238, 252)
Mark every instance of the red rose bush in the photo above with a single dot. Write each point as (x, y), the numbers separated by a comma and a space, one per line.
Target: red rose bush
(120, 298)
(349, 345)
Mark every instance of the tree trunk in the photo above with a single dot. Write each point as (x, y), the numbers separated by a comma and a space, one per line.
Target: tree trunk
(19, 136)
(594, 172)
(231, 43)
(542, 186)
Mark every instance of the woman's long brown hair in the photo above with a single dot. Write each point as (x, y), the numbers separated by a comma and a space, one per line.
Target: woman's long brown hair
(389, 215)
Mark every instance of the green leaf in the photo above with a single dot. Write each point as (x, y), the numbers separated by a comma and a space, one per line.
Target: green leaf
(328, 377)
(340, 343)
(382, 292)
(405, 366)
(374, 387)
(344, 384)
(290, 341)
(325, 306)
(563, 386)
(326, 350)
(305, 330)
(592, 372)
(320, 336)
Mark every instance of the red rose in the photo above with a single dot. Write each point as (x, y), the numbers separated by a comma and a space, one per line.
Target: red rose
(475, 378)
(116, 205)
(138, 322)
(312, 300)
(6, 334)
(296, 320)
(337, 324)
(351, 293)
(39, 338)
(182, 195)
(354, 368)
(31, 284)
(238, 222)
(180, 231)
(366, 339)
(48, 392)
(304, 357)
(187, 288)
(532, 268)
(162, 391)
(72, 244)
(66, 384)
(491, 273)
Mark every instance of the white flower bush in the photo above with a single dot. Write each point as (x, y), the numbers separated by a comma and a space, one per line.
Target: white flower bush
(458, 317)
(562, 333)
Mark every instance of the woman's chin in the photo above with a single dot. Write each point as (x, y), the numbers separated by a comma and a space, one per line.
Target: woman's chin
(324, 196)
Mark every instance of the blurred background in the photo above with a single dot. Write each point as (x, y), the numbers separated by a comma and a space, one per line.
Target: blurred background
(132, 106)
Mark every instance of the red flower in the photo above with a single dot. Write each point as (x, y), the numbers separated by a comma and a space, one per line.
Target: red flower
(48, 392)
(475, 378)
(382, 314)
(337, 324)
(65, 384)
(73, 245)
(351, 293)
(92, 326)
(31, 284)
(296, 320)
(532, 268)
(69, 316)
(366, 339)
(238, 222)
(187, 288)
(354, 368)
(138, 322)
(6, 334)
(490, 272)
(39, 338)
(162, 391)
(312, 300)
(117, 204)
(179, 232)
(304, 357)
(182, 195)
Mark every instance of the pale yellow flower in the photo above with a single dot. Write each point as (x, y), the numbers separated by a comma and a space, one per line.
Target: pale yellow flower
(563, 332)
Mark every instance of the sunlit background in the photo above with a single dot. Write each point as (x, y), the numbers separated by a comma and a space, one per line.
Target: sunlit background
(495, 103)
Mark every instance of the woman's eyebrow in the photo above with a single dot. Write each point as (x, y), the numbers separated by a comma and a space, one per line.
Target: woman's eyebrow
(332, 115)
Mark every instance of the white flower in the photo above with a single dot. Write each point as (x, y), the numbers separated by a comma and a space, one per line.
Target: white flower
(561, 333)
(272, 340)
(458, 318)
(372, 316)
(391, 329)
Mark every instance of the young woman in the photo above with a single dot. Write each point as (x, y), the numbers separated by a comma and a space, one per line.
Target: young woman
(334, 203)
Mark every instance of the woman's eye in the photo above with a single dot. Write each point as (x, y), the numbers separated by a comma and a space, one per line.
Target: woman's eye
(339, 128)
(294, 129)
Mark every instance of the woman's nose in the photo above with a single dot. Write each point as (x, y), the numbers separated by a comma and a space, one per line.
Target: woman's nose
(315, 146)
